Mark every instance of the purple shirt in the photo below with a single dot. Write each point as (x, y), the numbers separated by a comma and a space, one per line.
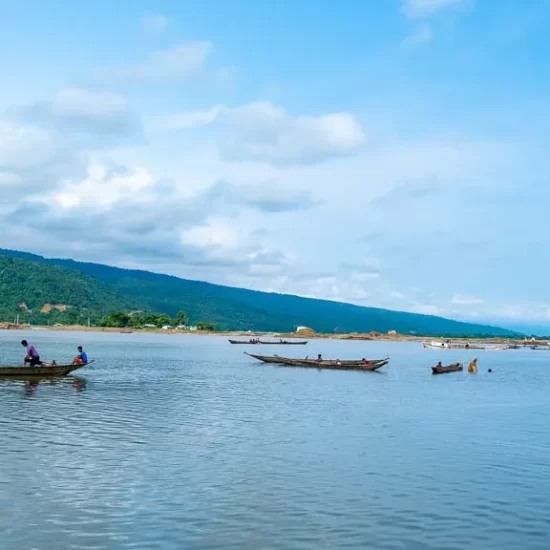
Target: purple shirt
(31, 351)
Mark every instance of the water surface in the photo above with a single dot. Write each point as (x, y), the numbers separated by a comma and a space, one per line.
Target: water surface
(171, 442)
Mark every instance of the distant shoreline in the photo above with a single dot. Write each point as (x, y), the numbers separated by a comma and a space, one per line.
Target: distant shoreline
(284, 335)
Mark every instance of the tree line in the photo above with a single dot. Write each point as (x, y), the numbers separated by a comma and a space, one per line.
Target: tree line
(121, 319)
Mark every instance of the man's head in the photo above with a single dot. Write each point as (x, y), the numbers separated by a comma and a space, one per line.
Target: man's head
(79, 348)
(24, 343)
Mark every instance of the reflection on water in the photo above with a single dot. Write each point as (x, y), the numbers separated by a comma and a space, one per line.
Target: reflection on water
(184, 442)
(31, 384)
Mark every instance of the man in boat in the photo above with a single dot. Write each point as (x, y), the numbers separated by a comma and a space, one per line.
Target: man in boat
(81, 357)
(319, 357)
(32, 357)
(439, 364)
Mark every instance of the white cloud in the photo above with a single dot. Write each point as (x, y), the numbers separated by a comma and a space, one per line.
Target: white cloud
(102, 188)
(80, 111)
(214, 232)
(154, 23)
(426, 309)
(460, 300)
(422, 36)
(263, 131)
(79, 102)
(427, 8)
(192, 119)
(24, 145)
(173, 64)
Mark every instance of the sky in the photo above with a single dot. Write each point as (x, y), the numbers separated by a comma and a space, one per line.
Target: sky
(388, 153)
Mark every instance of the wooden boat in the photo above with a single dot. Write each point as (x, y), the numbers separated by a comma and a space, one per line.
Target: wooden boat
(455, 367)
(275, 359)
(44, 370)
(445, 345)
(356, 364)
(273, 343)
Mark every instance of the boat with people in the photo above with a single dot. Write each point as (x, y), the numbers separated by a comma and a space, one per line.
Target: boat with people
(320, 363)
(441, 369)
(463, 346)
(272, 342)
(43, 370)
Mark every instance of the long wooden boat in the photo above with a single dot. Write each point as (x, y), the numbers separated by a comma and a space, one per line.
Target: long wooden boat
(273, 343)
(275, 359)
(356, 364)
(40, 371)
(455, 367)
(445, 345)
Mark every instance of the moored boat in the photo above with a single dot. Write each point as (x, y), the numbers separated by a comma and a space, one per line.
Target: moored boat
(454, 367)
(255, 341)
(338, 364)
(275, 359)
(466, 346)
(45, 370)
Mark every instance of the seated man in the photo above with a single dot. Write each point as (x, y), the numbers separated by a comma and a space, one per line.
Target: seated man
(32, 356)
(81, 358)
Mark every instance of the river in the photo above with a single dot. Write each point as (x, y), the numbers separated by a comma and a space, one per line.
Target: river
(183, 442)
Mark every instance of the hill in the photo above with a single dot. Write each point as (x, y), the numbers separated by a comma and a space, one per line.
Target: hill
(101, 288)
(49, 293)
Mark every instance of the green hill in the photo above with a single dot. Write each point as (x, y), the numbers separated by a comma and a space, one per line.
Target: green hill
(101, 288)
(49, 293)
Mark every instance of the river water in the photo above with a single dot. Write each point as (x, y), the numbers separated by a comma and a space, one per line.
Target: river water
(183, 442)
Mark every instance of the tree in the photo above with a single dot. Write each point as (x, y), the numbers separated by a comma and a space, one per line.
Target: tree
(117, 319)
(206, 325)
(163, 320)
(182, 318)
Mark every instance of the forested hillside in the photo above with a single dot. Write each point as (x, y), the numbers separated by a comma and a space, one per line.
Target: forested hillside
(97, 289)
(48, 293)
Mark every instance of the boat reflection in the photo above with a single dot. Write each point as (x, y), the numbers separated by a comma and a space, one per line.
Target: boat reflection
(31, 384)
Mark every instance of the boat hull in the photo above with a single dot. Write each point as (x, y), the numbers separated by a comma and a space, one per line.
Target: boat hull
(274, 343)
(368, 365)
(464, 347)
(455, 367)
(41, 371)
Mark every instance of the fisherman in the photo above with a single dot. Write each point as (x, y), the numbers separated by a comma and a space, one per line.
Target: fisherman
(472, 367)
(32, 357)
(439, 364)
(81, 357)
(319, 358)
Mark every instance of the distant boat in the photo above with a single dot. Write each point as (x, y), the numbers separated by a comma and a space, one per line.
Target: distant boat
(254, 341)
(465, 346)
(337, 364)
(455, 367)
(126, 331)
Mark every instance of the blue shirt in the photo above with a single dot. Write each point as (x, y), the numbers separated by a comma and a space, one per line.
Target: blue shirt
(83, 356)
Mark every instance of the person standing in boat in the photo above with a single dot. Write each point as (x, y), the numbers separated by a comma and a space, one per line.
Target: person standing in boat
(32, 356)
(81, 358)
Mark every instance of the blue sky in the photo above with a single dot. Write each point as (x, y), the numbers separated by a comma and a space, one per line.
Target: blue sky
(388, 153)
